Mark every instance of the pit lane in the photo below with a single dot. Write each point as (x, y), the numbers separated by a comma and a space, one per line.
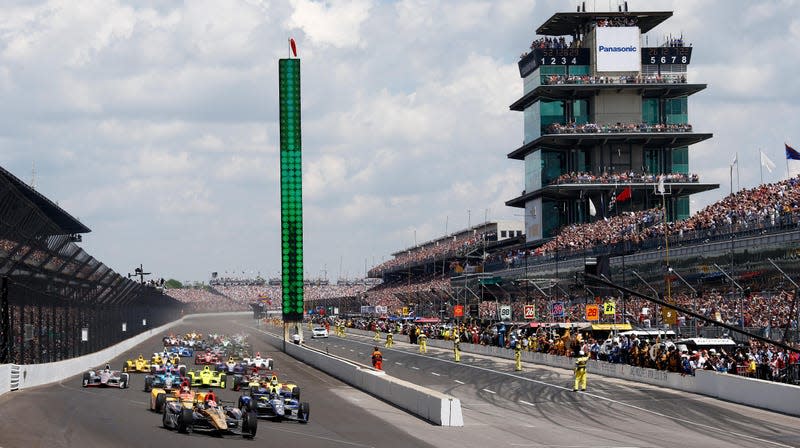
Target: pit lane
(536, 407)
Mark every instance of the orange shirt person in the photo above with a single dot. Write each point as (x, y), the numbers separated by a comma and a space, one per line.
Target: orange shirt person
(377, 359)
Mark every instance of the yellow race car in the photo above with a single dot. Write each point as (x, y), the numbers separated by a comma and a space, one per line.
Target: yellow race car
(160, 397)
(207, 378)
(139, 364)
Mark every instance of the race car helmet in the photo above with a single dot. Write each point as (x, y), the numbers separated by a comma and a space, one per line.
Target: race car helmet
(274, 380)
(581, 353)
(258, 354)
(108, 368)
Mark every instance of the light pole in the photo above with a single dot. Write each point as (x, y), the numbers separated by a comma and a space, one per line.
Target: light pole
(741, 297)
(655, 315)
(694, 295)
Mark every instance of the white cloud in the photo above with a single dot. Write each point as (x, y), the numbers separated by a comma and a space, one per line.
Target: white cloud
(335, 23)
(161, 118)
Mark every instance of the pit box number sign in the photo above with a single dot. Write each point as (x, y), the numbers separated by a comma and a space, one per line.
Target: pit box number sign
(557, 309)
(530, 312)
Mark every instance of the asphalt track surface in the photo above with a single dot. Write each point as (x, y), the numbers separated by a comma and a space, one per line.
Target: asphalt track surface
(533, 408)
(67, 415)
(537, 407)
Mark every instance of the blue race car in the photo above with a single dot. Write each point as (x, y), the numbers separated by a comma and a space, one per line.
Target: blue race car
(167, 381)
(275, 401)
(183, 352)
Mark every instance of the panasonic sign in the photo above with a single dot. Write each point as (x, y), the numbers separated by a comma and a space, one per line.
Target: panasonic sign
(618, 49)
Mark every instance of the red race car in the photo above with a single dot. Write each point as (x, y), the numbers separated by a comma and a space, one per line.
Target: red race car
(206, 358)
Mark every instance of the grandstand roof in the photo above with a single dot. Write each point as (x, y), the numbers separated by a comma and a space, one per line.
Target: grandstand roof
(565, 23)
(65, 222)
(571, 191)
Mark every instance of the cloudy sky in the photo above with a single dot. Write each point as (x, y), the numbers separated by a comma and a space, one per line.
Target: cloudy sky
(155, 122)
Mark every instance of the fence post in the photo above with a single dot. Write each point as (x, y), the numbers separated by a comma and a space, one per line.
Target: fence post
(6, 318)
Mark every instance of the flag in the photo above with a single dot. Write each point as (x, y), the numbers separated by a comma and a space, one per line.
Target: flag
(735, 159)
(661, 188)
(625, 195)
(293, 45)
(766, 162)
(592, 209)
(791, 153)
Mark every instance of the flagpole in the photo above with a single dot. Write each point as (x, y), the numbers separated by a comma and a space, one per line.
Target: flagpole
(737, 172)
(761, 165)
(731, 176)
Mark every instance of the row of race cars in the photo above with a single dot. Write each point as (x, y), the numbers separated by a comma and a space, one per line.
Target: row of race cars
(186, 400)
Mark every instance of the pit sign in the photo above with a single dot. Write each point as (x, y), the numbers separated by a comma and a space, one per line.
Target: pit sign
(505, 312)
(592, 312)
(557, 309)
(530, 311)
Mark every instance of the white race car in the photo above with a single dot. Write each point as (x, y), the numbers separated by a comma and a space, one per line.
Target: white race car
(106, 378)
(258, 361)
(319, 332)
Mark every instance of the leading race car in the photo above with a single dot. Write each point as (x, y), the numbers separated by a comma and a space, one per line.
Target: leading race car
(207, 415)
(207, 378)
(319, 332)
(276, 401)
(106, 378)
(139, 364)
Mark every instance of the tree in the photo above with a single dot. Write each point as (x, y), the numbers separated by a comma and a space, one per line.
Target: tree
(173, 284)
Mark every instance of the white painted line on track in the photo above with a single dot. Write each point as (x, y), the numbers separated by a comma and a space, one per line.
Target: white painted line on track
(460, 382)
(525, 402)
(436, 374)
(599, 397)
(415, 368)
(490, 391)
(399, 363)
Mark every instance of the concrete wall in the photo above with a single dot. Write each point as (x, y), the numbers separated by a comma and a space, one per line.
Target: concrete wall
(737, 389)
(428, 404)
(39, 374)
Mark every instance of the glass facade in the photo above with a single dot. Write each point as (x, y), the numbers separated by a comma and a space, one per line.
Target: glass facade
(680, 160)
(554, 163)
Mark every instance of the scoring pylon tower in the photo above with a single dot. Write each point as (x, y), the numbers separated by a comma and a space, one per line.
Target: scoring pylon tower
(291, 192)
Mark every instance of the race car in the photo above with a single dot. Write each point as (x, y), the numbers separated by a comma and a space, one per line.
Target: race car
(252, 381)
(258, 361)
(275, 401)
(207, 415)
(139, 364)
(166, 380)
(181, 351)
(106, 378)
(160, 397)
(207, 358)
(207, 378)
(168, 367)
(319, 332)
(232, 367)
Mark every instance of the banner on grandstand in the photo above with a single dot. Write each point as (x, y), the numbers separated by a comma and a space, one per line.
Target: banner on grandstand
(592, 313)
(792, 161)
(618, 49)
(505, 312)
(458, 311)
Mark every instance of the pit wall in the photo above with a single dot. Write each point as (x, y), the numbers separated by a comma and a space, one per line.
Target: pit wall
(762, 394)
(431, 405)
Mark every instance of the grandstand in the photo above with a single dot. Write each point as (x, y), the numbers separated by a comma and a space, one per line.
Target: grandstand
(59, 302)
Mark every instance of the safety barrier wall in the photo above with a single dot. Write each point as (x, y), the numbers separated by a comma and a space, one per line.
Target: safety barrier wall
(429, 404)
(769, 395)
(32, 375)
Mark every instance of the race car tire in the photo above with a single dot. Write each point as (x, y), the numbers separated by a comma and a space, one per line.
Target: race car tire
(164, 419)
(269, 365)
(182, 371)
(125, 367)
(222, 382)
(126, 380)
(86, 377)
(148, 384)
(304, 412)
(236, 383)
(161, 401)
(249, 424)
(296, 392)
(185, 420)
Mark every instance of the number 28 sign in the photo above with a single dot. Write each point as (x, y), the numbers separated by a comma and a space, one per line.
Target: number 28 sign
(592, 312)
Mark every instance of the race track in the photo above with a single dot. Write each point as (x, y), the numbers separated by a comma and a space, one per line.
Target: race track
(502, 408)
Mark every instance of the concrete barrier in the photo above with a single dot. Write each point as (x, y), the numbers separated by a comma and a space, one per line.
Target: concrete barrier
(32, 375)
(734, 388)
(428, 404)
